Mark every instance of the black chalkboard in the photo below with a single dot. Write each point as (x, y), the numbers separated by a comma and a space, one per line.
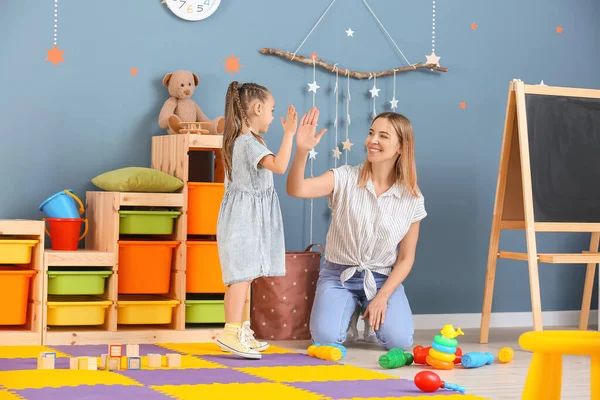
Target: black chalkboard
(564, 150)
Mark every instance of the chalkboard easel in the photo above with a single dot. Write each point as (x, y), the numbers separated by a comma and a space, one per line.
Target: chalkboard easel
(548, 181)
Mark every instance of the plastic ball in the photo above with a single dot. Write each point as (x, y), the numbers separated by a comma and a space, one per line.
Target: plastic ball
(428, 381)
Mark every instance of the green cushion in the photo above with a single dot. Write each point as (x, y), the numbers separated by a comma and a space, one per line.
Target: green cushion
(137, 179)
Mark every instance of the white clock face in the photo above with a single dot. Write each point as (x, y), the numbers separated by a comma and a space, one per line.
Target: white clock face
(193, 10)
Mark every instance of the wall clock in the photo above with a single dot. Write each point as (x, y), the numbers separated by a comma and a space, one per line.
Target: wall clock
(193, 10)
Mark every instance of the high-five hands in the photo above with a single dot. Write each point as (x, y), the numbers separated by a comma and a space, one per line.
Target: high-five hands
(291, 122)
(306, 137)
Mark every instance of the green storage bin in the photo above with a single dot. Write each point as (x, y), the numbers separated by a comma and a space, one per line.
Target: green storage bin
(204, 311)
(77, 282)
(134, 222)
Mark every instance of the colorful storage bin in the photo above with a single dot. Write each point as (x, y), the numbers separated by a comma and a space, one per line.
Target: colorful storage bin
(145, 266)
(76, 310)
(204, 311)
(14, 294)
(147, 222)
(204, 202)
(203, 270)
(146, 310)
(16, 251)
(77, 282)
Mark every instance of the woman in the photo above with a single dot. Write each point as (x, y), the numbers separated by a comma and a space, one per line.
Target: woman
(370, 247)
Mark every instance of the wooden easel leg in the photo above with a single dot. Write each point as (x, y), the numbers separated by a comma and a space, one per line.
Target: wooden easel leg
(490, 277)
(589, 284)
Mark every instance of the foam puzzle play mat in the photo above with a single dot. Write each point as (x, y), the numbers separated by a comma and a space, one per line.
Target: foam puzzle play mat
(190, 371)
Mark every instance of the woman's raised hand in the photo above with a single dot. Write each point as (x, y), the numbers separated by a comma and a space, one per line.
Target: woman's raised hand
(306, 137)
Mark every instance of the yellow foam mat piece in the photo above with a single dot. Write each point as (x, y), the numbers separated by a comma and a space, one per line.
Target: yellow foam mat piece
(203, 349)
(318, 373)
(6, 395)
(434, 397)
(263, 391)
(27, 351)
(187, 362)
(41, 378)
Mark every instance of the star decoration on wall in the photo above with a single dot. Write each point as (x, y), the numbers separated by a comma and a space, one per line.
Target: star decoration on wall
(463, 104)
(559, 29)
(433, 59)
(311, 154)
(133, 71)
(312, 87)
(347, 144)
(394, 103)
(374, 91)
(314, 55)
(350, 32)
(55, 55)
(337, 153)
(542, 83)
(232, 64)
(474, 26)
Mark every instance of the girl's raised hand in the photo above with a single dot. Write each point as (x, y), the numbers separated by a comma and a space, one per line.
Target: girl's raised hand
(291, 122)
(307, 139)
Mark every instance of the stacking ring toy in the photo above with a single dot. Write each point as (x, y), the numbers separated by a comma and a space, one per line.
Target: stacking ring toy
(439, 364)
(442, 356)
(443, 349)
(444, 341)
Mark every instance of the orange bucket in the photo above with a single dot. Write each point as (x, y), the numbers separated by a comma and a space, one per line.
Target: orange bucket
(203, 271)
(14, 294)
(145, 266)
(64, 232)
(204, 203)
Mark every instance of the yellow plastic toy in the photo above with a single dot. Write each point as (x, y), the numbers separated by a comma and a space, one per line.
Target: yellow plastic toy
(325, 352)
(506, 354)
(544, 378)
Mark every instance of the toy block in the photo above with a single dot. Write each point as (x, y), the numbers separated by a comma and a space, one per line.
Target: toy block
(113, 363)
(92, 364)
(45, 363)
(74, 363)
(83, 363)
(173, 360)
(123, 363)
(103, 359)
(48, 354)
(133, 350)
(134, 363)
(115, 350)
(154, 360)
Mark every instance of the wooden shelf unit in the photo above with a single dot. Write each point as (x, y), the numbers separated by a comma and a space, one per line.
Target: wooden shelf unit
(58, 335)
(31, 332)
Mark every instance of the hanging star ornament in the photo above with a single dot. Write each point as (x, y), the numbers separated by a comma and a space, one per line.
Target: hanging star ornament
(433, 59)
(312, 87)
(350, 32)
(374, 91)
(232, 64)
(347, 144)
(312, 154)
(337, 153)
(55, 55)
(394, 103)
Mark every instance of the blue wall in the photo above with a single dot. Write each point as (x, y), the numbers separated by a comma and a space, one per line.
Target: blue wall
(62, 125)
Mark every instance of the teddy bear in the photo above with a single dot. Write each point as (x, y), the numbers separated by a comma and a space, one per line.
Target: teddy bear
(181, 108)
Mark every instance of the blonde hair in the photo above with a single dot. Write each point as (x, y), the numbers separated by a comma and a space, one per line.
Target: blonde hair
(237, 101)
(405, 170)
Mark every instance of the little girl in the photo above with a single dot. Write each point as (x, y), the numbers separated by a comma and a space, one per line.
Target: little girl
(250, 227)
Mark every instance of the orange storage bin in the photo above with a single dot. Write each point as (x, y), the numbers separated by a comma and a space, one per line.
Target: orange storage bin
(14, 294)
(203, 270)
(204, 202)
(145, 266)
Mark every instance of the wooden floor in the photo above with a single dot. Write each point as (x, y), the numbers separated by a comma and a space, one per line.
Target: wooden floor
(496, 381)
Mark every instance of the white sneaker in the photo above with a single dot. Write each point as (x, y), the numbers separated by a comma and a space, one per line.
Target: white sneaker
(368, 334)
(252, 342)
(233, 340)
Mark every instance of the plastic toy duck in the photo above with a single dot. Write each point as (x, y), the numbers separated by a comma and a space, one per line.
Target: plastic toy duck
(449, 332)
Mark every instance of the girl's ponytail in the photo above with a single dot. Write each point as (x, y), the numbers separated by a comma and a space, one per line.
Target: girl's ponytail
(233, 126)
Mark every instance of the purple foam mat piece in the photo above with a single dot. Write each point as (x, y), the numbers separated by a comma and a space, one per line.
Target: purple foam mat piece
(161, 377)
(267, 360)
(91, 350)
(96, 392)
(367, 388)
(19, 364)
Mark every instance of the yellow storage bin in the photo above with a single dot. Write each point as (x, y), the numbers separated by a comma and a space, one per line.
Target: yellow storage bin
(142, 310)
(16, 251)
(76, 310)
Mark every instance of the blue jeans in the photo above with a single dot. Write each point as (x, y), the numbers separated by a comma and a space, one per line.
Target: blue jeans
(334, 305)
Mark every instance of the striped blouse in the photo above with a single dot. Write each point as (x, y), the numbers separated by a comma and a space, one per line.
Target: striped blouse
(366, 230)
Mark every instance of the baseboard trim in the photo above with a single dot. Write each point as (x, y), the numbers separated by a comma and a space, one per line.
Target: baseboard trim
(498, 320)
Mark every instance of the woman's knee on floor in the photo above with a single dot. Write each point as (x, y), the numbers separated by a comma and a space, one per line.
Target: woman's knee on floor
(394, 340)
(323, 333)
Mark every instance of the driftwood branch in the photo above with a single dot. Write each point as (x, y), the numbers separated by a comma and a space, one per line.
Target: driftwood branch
(342, 71)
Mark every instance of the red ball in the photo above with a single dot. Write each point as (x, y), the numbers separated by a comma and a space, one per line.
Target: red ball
(428, 381)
